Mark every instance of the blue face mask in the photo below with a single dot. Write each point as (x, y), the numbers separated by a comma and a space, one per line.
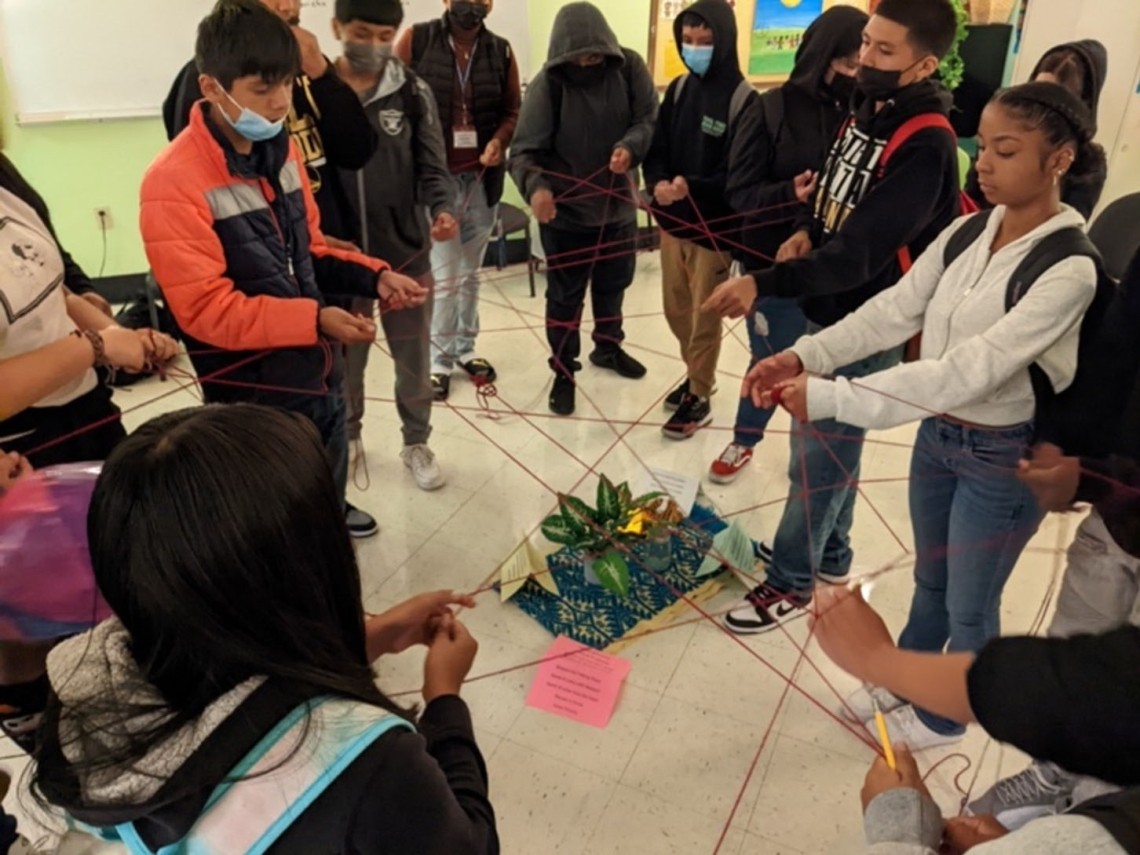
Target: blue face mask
(253, 126)
(697, 57)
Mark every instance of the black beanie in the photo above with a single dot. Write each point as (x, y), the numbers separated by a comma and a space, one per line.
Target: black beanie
(384, 13)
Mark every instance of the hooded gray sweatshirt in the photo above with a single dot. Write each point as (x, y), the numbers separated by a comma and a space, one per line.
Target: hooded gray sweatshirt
(571, 128)
(407, 173)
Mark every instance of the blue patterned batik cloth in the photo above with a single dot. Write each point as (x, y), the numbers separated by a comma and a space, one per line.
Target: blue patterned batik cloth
(591, 615)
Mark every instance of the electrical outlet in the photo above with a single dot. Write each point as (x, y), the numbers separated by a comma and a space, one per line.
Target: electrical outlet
(103, 218)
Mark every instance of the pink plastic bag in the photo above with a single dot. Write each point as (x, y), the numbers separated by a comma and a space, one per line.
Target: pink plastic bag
(47, 587)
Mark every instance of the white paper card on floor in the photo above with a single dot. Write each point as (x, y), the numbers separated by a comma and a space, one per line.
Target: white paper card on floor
(732, 549)
(526, 562)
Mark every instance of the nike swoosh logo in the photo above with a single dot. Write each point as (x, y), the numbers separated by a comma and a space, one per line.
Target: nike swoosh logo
(785, 609)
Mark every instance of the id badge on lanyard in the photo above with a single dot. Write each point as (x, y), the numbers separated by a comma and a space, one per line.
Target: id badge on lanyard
(464, 135)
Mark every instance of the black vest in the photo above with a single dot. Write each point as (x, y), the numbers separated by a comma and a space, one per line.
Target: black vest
(434, 61)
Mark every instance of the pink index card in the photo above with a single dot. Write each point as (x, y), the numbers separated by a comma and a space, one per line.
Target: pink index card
(577, 682)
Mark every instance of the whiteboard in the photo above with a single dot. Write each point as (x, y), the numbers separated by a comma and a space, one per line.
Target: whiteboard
(82, 60)
(79, 59)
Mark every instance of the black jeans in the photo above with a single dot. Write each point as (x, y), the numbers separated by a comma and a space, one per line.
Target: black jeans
(604, 260)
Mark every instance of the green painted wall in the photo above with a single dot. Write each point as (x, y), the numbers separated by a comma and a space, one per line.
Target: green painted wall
(81, 166)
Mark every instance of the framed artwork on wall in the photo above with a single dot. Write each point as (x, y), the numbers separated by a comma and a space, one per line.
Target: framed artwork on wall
(768, 35)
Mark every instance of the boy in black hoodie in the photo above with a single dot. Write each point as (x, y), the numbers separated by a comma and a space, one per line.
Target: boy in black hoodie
(687, 171)
(776, 152)
(585, 125)
(872, 211)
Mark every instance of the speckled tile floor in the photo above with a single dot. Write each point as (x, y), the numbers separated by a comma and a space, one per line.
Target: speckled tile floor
(679, 769)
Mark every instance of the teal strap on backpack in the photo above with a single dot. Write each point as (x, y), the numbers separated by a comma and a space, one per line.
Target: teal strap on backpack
(280, 778)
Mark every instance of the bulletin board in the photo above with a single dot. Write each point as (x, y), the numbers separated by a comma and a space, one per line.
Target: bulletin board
(769, 33)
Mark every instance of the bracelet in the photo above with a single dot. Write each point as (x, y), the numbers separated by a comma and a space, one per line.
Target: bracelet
(96, 341)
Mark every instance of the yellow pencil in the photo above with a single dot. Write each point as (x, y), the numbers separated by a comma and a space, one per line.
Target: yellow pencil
(884, 737)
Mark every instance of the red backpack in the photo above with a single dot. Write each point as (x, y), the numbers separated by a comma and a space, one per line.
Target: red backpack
(898, 139)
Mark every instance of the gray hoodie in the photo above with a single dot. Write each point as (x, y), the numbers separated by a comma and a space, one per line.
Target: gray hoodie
(569, 128)
(407, 173)
(904, 822)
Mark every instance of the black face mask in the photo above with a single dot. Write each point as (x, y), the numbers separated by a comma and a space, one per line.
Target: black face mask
(841, 88)
(467, 15)
(879, 85)
(584, 75)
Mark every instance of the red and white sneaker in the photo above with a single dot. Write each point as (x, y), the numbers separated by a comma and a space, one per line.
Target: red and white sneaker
(729, 465)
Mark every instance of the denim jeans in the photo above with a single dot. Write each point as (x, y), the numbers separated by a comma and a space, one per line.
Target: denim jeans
(326, 412)
(815, 530)
(456, 264)
(774, 327)
(972, 517)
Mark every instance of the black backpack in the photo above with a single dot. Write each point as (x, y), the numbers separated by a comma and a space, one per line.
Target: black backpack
(1080, 418)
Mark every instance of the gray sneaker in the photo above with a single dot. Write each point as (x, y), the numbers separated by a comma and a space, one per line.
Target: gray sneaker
(1042, 789)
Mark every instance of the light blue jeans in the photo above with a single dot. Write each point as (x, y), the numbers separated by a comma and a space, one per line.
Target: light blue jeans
(455, 265)
(972, 518)
(815, 530)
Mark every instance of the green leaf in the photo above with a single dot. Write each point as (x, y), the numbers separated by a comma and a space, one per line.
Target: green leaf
(625, 497)
(557, 530)
(609, 503)
(578, 515)
(612, 571)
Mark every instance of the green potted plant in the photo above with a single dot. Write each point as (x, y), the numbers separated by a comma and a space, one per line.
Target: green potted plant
(604, 534)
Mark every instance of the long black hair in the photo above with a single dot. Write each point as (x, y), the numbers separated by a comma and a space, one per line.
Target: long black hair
(218, 539)
(1063, 119)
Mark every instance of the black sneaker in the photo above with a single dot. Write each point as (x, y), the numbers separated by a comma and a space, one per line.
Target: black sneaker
(673, 399)
(359, 523)
(619, 361)
(562, 395)
(440, 386)
(693, 414)
(765, 608)
(479, 369)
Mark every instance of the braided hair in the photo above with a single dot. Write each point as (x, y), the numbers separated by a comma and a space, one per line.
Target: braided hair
(1064, 120)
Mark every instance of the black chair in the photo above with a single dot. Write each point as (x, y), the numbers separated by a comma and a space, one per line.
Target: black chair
(513, 220)
(1116, 233)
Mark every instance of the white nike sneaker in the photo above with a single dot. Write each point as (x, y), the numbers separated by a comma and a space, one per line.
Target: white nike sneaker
(905, 727)
(859, 708)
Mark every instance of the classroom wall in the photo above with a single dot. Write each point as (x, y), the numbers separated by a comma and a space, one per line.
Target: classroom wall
(79, 167)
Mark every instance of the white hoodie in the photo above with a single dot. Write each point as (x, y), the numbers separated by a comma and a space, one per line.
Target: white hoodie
(975, 355)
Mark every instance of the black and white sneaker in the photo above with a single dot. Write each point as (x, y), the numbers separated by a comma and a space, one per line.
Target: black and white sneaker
(693, 414)
(360, 524)
(674, 399)
(765, 608)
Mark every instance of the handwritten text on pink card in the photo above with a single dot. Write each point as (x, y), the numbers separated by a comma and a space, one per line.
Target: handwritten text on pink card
(577, 682)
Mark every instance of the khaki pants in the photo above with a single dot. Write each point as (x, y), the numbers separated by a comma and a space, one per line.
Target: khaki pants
(689, 275)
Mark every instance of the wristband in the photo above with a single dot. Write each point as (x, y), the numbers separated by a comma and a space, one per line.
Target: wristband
(96, 341)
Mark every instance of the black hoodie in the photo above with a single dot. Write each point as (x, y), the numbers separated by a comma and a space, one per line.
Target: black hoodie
(695, 131)
(859, 220)
(786, 132)
(1083, 193)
